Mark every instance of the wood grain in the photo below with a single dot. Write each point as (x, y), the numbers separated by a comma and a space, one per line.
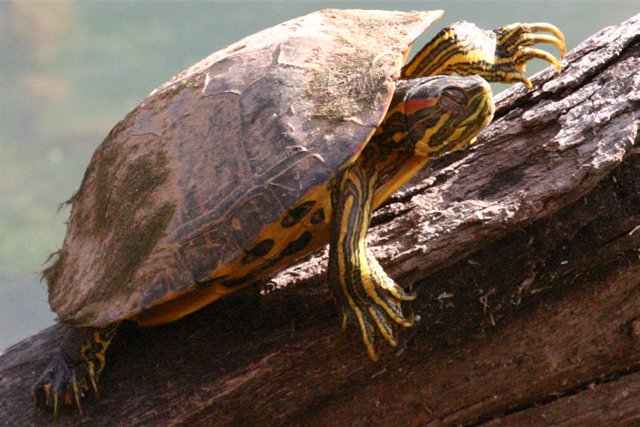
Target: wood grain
(525, 255)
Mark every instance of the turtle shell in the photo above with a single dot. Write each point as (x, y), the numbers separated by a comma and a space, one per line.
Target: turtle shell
(187, 180)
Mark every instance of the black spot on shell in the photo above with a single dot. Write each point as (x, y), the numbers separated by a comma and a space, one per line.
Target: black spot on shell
(258, 250)
(297, 245)
(294, 215)
(317, 217)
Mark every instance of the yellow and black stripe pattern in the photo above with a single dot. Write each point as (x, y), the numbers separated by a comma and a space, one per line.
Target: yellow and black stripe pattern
(75, 368)
(428, 116)
(499, 55)
(431, 113)
(455, 111)
(365, 293)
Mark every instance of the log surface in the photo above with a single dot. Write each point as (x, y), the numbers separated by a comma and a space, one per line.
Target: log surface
(525, 254)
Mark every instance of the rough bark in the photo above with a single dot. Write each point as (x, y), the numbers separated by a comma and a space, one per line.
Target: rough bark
(524, 251)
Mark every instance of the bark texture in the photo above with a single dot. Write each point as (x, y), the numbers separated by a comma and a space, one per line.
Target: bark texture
(524, 251)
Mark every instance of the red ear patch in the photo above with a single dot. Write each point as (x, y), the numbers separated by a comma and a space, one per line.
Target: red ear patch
(415, 104)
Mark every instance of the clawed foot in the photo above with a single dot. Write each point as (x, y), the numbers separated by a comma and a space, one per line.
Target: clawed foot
(499, 55)
(513, 48)
(64, 382)
(74, 369)
(375, 307)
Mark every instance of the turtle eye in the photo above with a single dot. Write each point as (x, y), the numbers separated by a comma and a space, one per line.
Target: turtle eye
(453, 99)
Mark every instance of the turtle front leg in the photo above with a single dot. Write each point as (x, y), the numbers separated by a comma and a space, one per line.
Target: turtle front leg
(365, 294)
(74, 369)
(499, 55)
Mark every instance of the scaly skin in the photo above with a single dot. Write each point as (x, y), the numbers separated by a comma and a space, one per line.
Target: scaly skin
(367, 296)
(420, 127)
(426, 119)
(499, 55)
(75, 368)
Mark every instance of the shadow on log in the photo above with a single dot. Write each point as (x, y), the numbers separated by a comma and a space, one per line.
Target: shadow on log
(524, 251)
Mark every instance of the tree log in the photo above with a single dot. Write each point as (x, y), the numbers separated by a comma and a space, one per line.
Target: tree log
(525, 254)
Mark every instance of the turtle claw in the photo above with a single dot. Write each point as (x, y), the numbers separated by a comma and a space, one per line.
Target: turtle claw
(63, 383)
(378, 310)
(520, 78)
(527, 53)
(94, 384)
(376, 320)
(557, 38)
(515, 43)
(548, 39)
(74, 369)
(77, 392)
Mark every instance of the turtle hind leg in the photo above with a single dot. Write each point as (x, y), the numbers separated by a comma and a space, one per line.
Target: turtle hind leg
(74, 369)
(366, 295)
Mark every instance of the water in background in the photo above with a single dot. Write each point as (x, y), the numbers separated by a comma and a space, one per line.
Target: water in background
(70, 71)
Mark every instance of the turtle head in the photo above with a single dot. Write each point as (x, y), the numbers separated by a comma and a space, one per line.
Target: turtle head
(445, 113)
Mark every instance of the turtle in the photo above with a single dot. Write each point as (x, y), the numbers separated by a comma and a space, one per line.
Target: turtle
(264, 151)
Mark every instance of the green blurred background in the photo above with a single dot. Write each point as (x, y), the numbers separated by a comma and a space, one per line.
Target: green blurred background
(70, 70)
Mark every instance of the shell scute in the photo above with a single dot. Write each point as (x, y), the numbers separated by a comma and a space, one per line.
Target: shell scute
(187, 181)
